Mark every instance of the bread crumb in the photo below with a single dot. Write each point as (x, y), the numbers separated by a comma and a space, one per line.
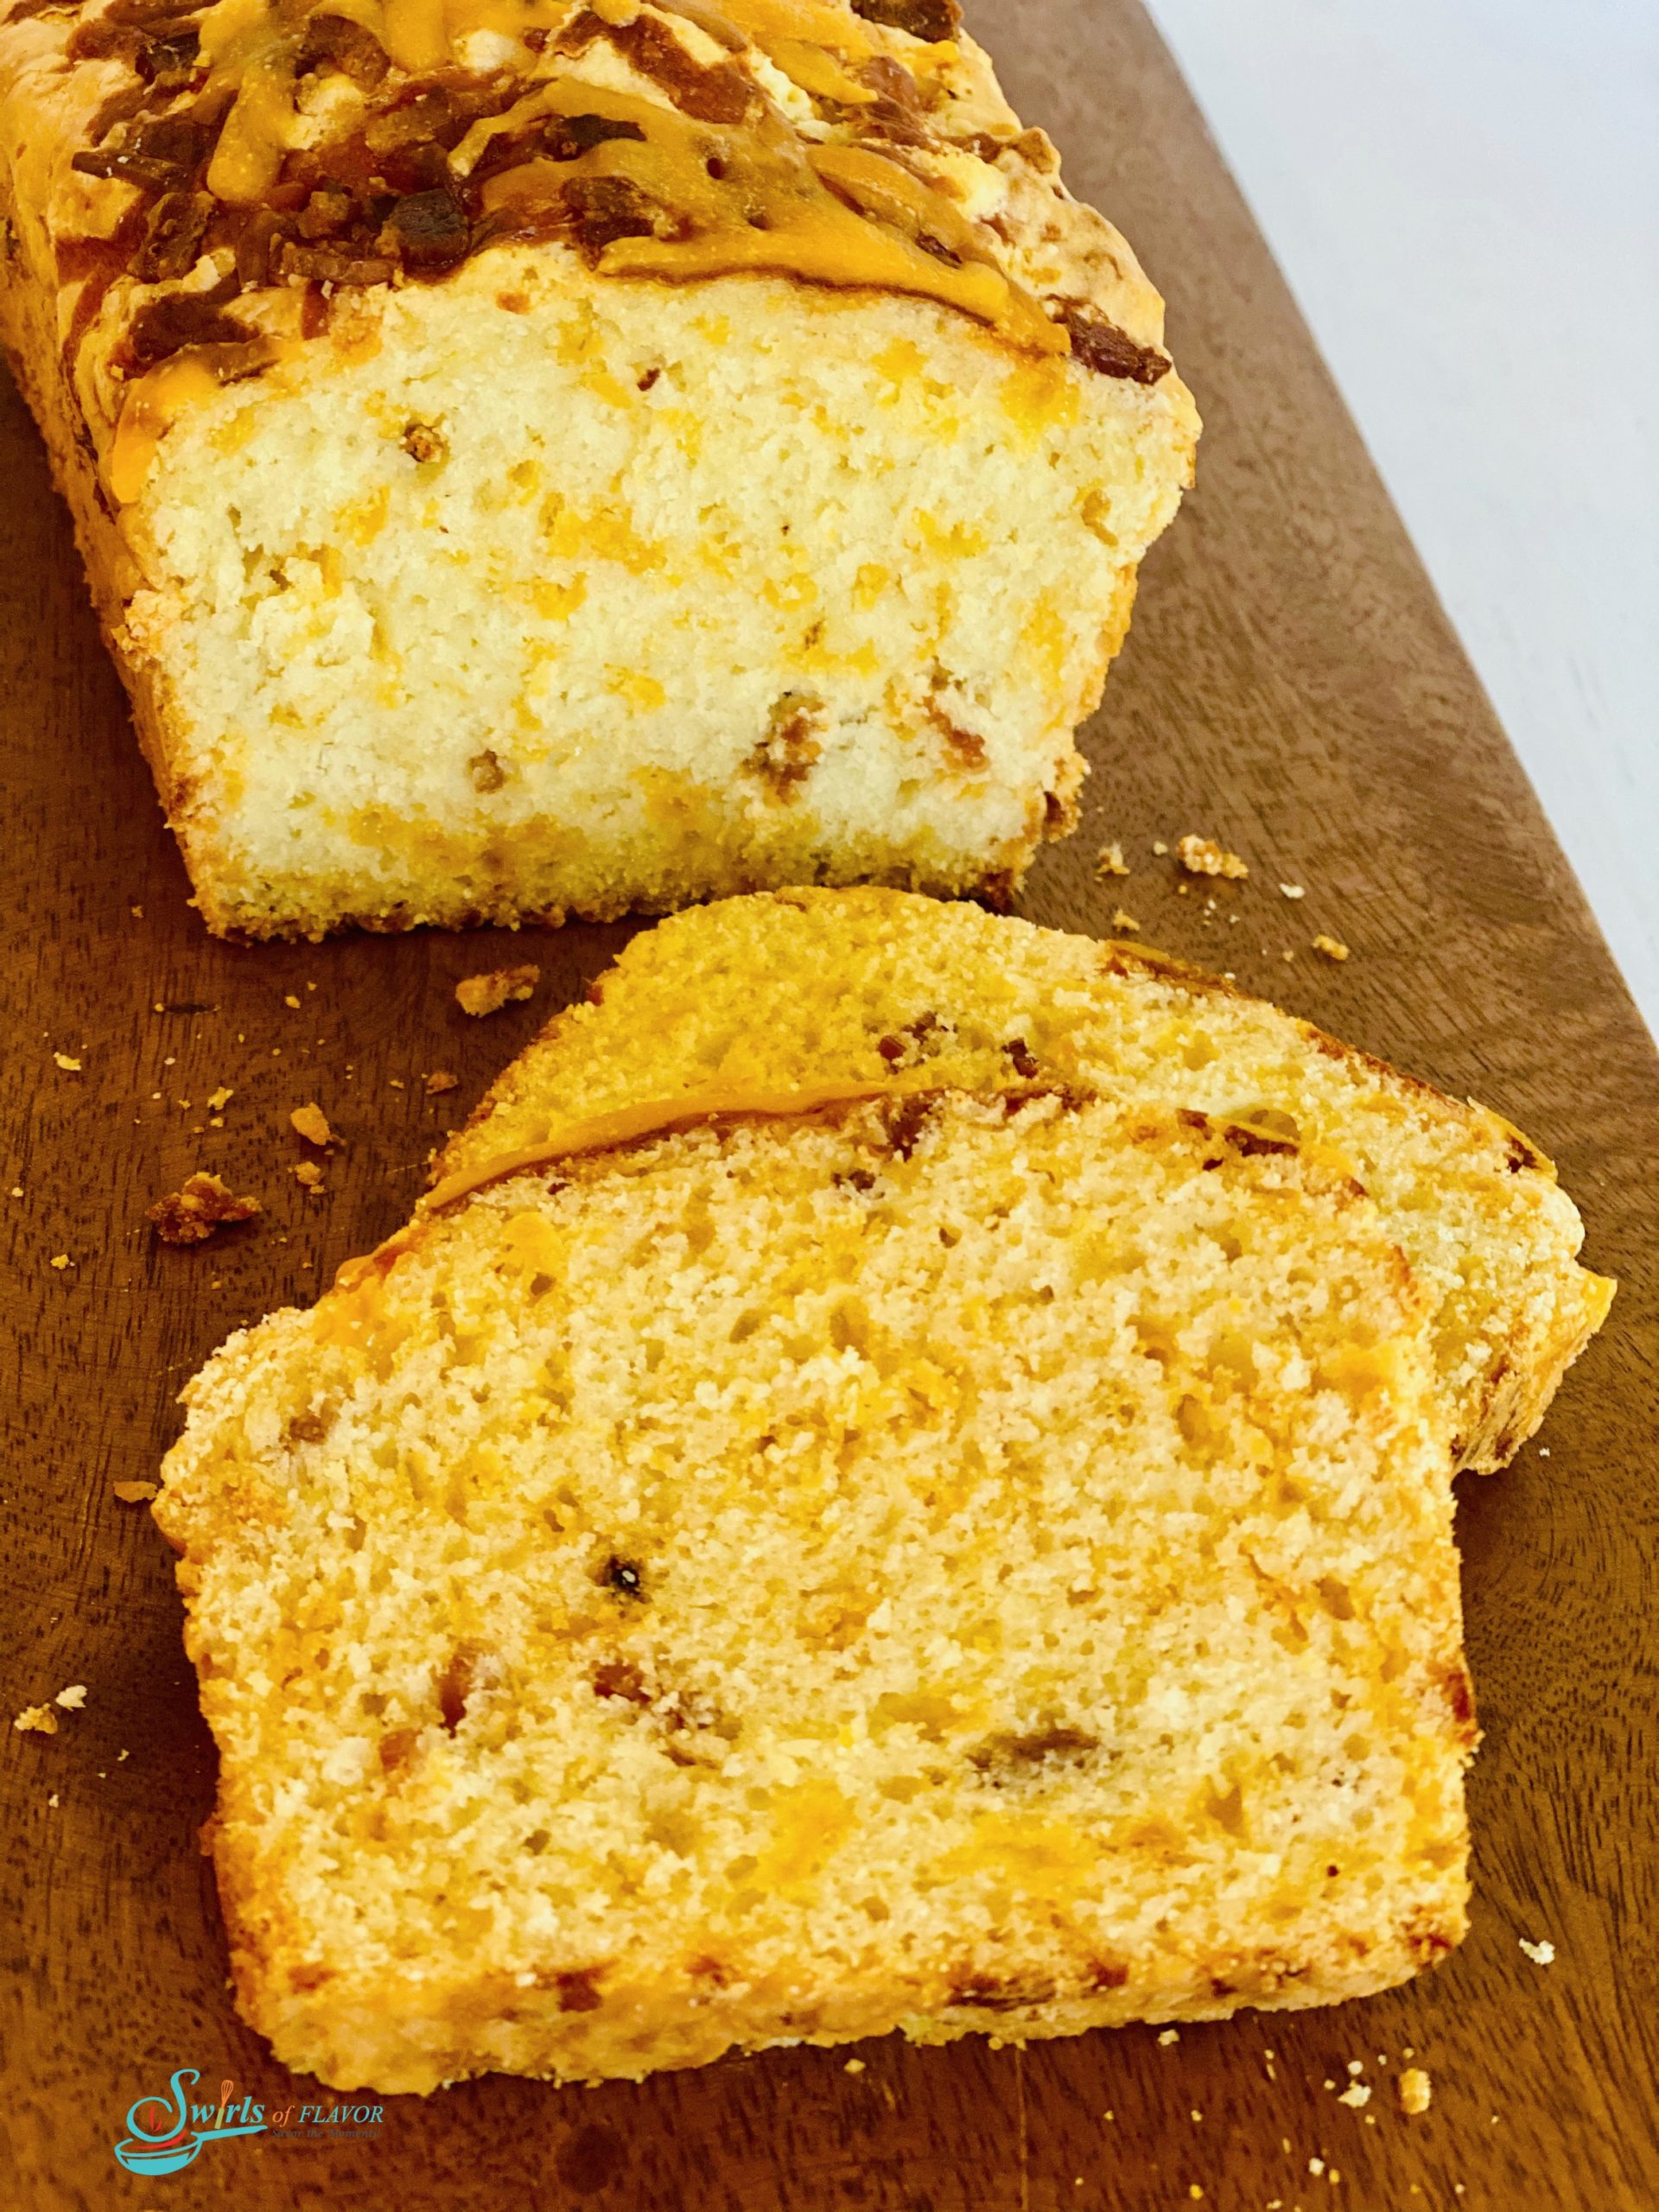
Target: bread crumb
(1316, 2165)
(308, 1172)
(1542, 1954)
(312, 1123)
(1204, 856)
(853, 2066)
(70, 1066)
(1123, 920)
(1357, 2095)
(489, 993)
(1291, 891)
(219, 1099)
(72, 1698)
(38, 1720)
(1109, 860)
(1169, 2036)
(1356, 2067)
(1160, 847)
(1415, 2090)
(135, 1493)
(53, 1800)
(441, 1080)
(16, 1190)
(61, 1259)
(1332, 947)
(137, 914)
(1194, 2191)
(194, 1214)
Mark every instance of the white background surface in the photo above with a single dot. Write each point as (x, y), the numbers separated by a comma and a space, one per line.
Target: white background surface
(1483, 176)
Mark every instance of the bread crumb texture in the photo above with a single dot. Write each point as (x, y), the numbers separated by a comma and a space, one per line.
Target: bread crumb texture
(942, 1563)
(972, 1551)
(803, 987)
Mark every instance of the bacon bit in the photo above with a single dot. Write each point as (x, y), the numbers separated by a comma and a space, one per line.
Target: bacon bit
(489, 993)
(135, 1493)
(1204, 856)
(308, 1172)
(931, 20)
(312, 1123)
(194, 1214)
(441, 1080)
(423, 444)
(1123, 920)
(1101, 346)
(1332, 947)
(39, 1719)
(1111, 861)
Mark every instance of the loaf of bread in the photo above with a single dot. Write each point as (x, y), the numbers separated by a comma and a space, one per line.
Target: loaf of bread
(561, 456)
(801, 1553)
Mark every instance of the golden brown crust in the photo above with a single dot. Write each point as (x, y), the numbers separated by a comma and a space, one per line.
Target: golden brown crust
(199, 185)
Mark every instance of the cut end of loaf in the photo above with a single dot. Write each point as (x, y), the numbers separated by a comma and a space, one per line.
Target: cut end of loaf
(646, 595)
(566, 466)
(942, 1562)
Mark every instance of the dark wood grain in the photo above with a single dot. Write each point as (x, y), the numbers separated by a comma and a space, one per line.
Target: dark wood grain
(1292, 686)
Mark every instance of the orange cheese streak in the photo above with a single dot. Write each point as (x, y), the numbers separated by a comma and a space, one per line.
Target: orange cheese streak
(715, 1101)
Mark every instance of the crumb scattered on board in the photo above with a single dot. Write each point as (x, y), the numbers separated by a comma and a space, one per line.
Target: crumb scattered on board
(312, 1123)
(69, 1066)
(1293, 891)
(489, 993)
(219, 1099)
(1123, 920)
(194, 1214)
(1204, 856)
(1109, 860)
(1332, 947)
(40, 1720)
(441, 1080)
(1542, 1954)
(60, 1260)
(1168, 2035)
(1415, 2090)
(135, 1493)
(308, 1172)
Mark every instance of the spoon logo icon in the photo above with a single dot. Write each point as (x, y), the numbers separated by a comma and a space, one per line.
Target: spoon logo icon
(163, 2135)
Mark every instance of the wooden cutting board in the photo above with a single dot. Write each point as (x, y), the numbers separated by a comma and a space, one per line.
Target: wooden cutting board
(1291, 686)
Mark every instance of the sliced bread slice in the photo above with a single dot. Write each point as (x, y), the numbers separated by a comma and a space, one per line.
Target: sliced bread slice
(804, 987)
(933, 1559)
